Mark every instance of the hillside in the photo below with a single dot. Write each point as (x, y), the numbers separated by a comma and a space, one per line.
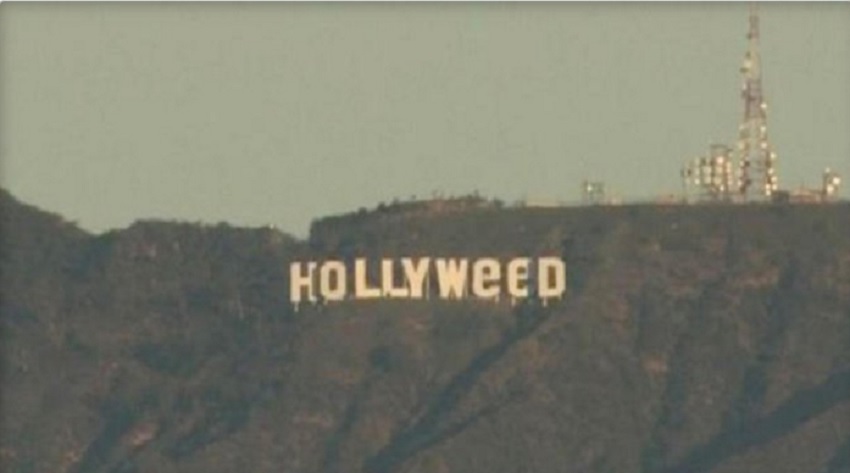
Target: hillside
(692, 339)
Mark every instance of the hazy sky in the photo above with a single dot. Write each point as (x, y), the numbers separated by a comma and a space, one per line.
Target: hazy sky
(279, 113)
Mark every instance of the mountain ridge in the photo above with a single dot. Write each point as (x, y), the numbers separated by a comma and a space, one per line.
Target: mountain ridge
(691, 338)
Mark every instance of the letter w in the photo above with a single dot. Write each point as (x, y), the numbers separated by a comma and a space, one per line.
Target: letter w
(452, 274)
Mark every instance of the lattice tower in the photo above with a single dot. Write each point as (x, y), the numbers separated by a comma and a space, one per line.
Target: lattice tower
(756, 158)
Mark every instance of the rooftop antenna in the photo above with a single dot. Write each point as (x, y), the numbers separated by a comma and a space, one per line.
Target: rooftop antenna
(756, 157)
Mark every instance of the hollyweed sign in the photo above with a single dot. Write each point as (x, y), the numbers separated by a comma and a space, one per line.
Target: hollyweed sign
(426, 278)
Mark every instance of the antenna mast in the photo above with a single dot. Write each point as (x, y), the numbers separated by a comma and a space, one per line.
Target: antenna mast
(756, 157)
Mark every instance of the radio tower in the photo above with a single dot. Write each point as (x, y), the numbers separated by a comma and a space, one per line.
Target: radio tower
(756, 157)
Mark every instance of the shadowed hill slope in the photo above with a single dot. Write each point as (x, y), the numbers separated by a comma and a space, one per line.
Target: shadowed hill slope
(692, 339)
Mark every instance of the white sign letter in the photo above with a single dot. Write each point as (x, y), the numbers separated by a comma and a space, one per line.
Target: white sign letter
(361, 283)
(485, 272)
(297, 282)
(452, 275)
(388, 280)
(415, 275)
(551, 277)
(335, 291)
(518, 273)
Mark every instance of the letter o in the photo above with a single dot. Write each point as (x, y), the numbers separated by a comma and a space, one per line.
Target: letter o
(332, 281)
